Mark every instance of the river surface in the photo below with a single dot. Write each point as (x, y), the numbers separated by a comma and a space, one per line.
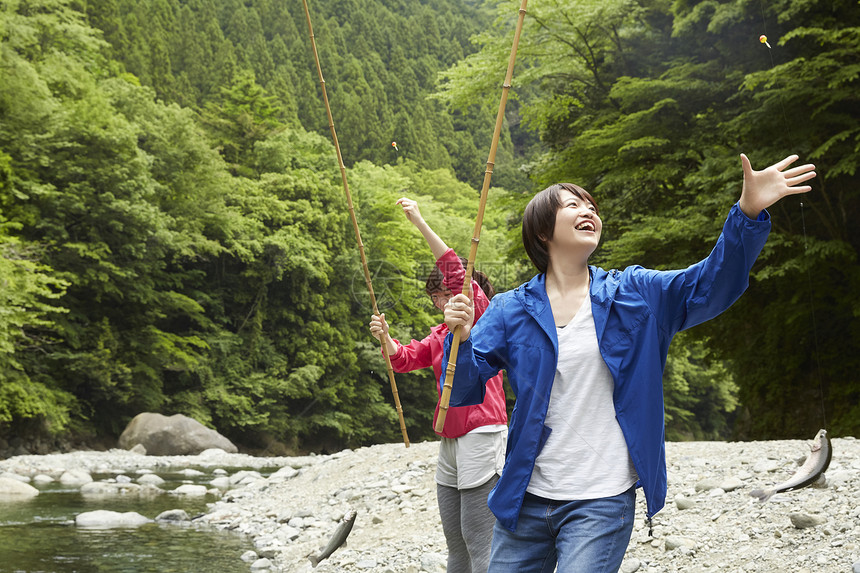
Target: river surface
(39, 534)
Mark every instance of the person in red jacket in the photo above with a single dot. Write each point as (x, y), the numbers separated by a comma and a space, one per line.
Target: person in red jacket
(472, 448)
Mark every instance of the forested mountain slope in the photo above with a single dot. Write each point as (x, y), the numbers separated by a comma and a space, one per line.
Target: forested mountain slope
(380, 59)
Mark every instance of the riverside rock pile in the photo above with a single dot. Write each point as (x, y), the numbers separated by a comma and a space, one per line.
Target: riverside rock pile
(710, 522)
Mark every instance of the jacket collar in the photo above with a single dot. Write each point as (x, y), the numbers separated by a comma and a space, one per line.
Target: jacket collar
(602, 291)
(534, 299)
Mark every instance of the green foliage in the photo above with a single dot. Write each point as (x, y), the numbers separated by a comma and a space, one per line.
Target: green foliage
(28, 295)
(21, 399)
(700, 393)
(28, 291)
(245, 116)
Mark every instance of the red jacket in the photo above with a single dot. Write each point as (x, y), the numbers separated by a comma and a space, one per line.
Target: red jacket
(428, 352)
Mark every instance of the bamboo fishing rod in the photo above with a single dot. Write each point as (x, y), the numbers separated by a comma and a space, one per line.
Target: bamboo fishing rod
(479, 221)
(355, 222)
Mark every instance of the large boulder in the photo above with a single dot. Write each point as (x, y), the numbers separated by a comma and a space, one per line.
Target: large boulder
(175, 435)
(15, 489)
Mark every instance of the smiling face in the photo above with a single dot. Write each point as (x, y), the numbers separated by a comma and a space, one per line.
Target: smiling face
(554, 206)
(577, 227)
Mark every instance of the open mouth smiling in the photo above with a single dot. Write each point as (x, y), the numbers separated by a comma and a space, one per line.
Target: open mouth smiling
(585, 226)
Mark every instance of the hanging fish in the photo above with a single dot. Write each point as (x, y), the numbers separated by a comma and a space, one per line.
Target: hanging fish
(337, 539)
(810, 472)
(763, 40)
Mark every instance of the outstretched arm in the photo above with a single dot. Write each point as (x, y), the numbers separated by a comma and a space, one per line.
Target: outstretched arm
(410, 209)
(702, 291)
(764, 188)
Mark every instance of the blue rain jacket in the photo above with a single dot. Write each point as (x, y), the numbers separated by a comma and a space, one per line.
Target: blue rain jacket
(636, 311)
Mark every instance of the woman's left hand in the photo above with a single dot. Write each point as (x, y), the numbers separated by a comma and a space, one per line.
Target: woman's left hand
(764, 188)
(410, 209)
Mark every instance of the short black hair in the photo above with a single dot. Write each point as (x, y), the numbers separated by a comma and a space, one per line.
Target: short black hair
(539, 220)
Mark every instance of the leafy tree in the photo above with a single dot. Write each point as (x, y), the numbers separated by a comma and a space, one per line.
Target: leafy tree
(244, 116)
(104, 221)
(27, 302)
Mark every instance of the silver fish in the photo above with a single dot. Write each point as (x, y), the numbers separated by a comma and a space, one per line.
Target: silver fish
(337, 539)
(810, 472)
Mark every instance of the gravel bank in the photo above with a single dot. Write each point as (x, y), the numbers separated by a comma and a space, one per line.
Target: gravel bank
(710, 522)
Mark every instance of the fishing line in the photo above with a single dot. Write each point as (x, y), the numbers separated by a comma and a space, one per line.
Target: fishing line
(351, 208)
(814, 325)
(763, 40)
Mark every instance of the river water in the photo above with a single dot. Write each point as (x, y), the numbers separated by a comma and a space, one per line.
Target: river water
(39, 534)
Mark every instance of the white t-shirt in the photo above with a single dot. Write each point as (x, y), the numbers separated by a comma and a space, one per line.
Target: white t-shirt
(585, 456)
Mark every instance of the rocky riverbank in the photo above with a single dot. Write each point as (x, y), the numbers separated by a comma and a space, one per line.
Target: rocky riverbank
(710, 522)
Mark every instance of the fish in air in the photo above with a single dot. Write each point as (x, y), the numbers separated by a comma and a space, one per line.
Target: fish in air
(337, 539)
(810, 472)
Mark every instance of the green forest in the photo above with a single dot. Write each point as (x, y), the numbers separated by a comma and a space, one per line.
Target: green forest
(174, 235)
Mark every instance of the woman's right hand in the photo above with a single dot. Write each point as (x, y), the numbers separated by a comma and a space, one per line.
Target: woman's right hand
(459, 312)
(378, 326)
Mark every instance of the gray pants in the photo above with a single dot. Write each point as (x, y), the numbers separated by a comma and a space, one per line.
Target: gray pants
(468, 526)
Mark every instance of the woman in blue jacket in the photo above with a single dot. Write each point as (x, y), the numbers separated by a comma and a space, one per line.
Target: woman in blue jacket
(584, 350)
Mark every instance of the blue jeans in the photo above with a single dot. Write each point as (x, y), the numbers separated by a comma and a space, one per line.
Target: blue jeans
(588, 536)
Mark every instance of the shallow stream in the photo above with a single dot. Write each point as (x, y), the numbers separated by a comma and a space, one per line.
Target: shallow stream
(39, 534)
